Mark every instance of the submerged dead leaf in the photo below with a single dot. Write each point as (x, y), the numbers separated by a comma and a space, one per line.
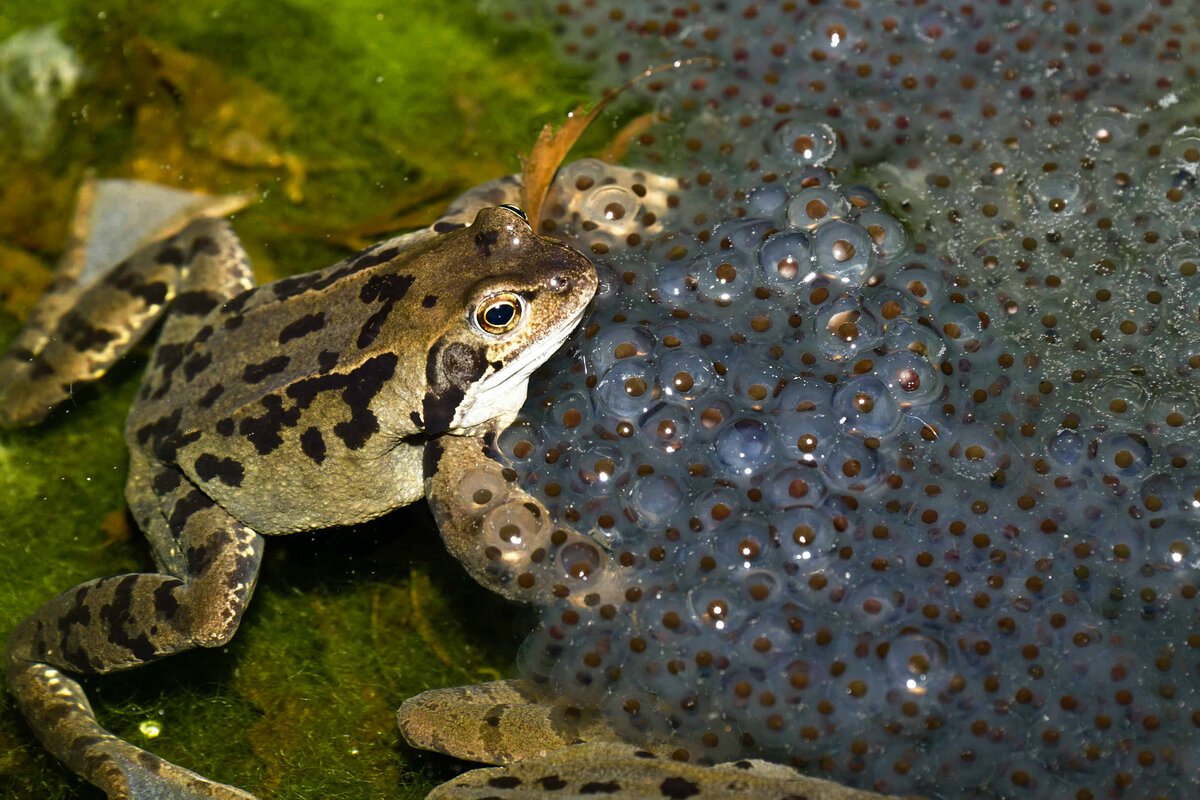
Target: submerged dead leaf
(195, 123)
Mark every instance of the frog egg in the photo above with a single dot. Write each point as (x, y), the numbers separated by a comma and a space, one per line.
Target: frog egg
(911, 380)
(677, 285)
(922, 280)
(1118, 397)
(961, 324)
(886, 232)
(865, 407)
(816, 206)
(808, 536)
(715, 507)
(767, 200)
(512, 531)
(765, 641)
(613, 343)
(916, 665)
(723, 279)
(655, 499)
(629, 387)
(785, 259)
(805, 396)
(567, 414)
(1067, 448)
(852, 466)
(686, 374)
(480, 491)
(810, 439)
(744, 447)
(843, 251)
(665, 426)
(907, 334)
(745, 544)
(1057, 194)
(756, 384)
(791, 486)
(521, 442)
(743, 234)
(599, 469)
(803, 142)
(1126, 455)
(843, 329)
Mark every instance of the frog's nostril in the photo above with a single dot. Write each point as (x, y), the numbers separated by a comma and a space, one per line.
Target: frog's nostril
(560, 283)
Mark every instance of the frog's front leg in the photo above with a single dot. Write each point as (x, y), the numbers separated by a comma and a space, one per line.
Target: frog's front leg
(121, 622)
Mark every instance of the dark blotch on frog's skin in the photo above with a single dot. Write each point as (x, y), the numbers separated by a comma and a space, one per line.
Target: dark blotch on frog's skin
(211, 396)
(446, 227)
(597, 787)
(309, 323)
(263, 431)
(430, 301)
(152, 294)
(504, 782)
(551, 783)
(327, 360)
(171, 254)
(115, 615)
(388, 289)
(225, 426)
(484, 241)
(431, 457)
(256, 373)
(194, 303)
(448, 370)
(678, 788)
(227, 470)
(81, 334)
(166, 481)
(193, 502)
(196, 364)
(312, 443)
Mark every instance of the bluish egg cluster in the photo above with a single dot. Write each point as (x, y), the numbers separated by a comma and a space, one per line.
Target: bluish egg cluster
(882, 431)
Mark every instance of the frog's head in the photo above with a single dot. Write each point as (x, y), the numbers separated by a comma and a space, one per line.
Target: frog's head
(521, 295)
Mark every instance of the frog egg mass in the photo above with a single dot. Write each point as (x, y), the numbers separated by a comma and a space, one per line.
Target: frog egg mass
(877, 452)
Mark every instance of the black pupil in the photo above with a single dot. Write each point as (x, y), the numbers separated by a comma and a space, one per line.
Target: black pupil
(500, 314)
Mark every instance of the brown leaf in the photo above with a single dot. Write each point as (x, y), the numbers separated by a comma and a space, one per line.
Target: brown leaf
(552, 146)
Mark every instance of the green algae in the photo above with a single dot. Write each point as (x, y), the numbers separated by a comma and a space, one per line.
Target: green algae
(378, 105)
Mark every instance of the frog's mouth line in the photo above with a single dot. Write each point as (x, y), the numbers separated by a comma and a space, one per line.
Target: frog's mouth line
(491, 397)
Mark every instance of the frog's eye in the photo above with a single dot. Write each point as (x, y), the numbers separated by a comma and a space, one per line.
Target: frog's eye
(514, 210)
(499, 313)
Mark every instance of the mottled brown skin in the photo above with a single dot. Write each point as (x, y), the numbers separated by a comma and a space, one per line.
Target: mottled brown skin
(301, 404)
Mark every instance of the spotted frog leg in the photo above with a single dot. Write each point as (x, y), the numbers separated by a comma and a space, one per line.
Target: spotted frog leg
(208, 561)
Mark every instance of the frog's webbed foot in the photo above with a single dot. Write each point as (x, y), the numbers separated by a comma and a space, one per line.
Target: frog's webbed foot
(111, 286)
(494, 723)
(123, 771)
(623, 772)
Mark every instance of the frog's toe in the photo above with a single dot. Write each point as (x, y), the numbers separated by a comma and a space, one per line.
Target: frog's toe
(145, 776)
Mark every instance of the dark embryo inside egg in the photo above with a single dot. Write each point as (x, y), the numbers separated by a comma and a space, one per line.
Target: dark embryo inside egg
(884, 422)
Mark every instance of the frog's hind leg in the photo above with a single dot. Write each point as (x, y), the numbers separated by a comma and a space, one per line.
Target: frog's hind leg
(101, 302)
(210, 564)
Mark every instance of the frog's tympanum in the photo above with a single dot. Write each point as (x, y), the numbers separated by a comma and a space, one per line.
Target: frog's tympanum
(297, 405)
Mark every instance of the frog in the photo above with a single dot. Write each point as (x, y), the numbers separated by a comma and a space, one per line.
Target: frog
(301, 404)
